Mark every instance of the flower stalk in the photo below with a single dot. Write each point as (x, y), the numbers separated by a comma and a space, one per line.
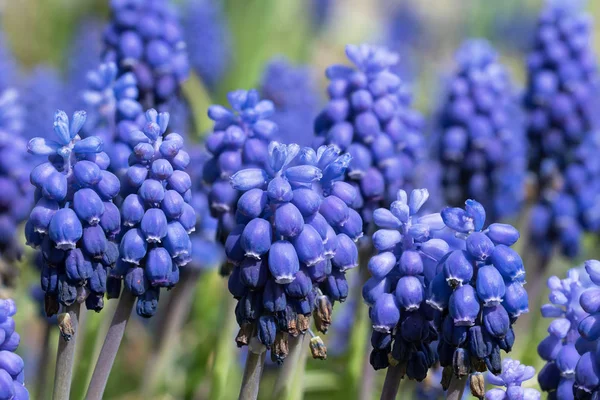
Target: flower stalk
(252, 373)
(392, 381)
(456, 389)
(292, 366)
(68, 325)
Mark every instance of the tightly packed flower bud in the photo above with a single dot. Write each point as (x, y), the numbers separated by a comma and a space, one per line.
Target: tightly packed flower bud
(369, 116)
(239, 140)
(292, 244)
(144, 37)
(114, 112)
(16, 196)
(561, 97)
(12, 385)
(293, 91)
(74, 222)
(401, 272)
(156, 213)
(567, 207)
(558, 348)
(481, 144)
(512, 377)
(208, 39)
(478, 291)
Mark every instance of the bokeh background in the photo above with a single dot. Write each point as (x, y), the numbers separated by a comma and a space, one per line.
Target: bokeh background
(55, 42)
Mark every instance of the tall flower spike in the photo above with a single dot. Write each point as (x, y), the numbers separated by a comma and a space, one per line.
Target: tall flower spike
(16, 196)
(401, 272)
(293, 244)
(558, 348)
(369, 116)
(478, 291)
(156, 213)
(512, 377)
(144, 36)
(481, 142)
(562, 85)
(239, 140)
(293, 91)
(587, 371)
(208, 39)
(12, 384)
(74, 221)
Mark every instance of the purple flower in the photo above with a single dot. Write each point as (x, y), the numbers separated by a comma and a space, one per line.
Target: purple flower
(74, 222)
(11, 364)
(512, 376)
(288, 261)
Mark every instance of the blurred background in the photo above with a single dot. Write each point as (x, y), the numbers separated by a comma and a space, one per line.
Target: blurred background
(53, 43)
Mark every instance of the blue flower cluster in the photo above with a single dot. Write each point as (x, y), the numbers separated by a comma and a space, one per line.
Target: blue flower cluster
(208, 39)
(293, 91)
(512, 377)
(562, 88)
(114, 112)
(294, 242)
(396, 292)
(239, 140)
(369, 116)
(144, 36)
(478, 291)
(482, 145)
(12, 377)
(558, 348)
(74, 221)
(16, 196)
(568, 204)
(587, 370)
(156, 214)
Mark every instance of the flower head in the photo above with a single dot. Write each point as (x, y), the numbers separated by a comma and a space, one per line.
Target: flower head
(74, 221)
(293, 243)
(11, 364)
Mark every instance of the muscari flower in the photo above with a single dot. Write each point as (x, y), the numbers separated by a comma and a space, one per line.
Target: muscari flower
(239, 140)
(401, 272)
(558, 348)
(481, 144)
(369, 116)
(144, 37)
(478, 291)
(293, 244)
(12, 377)
(568, 206)
(74, 222)
(587, 370)
(208, 39)
(156, 213)
(512, 377)
(562, 84)
(114, 113)
(293, 91)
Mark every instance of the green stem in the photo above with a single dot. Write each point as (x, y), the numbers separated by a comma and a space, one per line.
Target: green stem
(290, 368)
(392, 381)
(252, 373)
(456, 389)
(66, 352)
(296, 391)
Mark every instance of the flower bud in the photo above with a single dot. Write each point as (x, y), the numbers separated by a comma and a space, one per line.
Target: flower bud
(306, 200)
(65, 229)
(409, 293)
(385, 313)
(133, 246)
(132, 210)
(464, 306)
(322, 313)
(490, 286)
(317, 348)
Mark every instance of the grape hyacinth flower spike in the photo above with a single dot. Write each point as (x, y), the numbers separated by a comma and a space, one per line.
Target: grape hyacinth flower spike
(478, 293)
(239, 140)
(481, 141)
(559, 349)
(12, 384)
(144, 37)
(369, 116)
(157, 220)
(512, 377)
(293, 244)
(401, 272)
(74, 224)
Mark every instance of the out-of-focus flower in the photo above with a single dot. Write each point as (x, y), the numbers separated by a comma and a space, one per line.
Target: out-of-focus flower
(208, 40)
(74, 222)
(481, 141)
(12, 376)
(144, 36)
(156, 213)
(369, 116)
(512, 376)
(294, 242)
(293, 91)
(8, 64)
